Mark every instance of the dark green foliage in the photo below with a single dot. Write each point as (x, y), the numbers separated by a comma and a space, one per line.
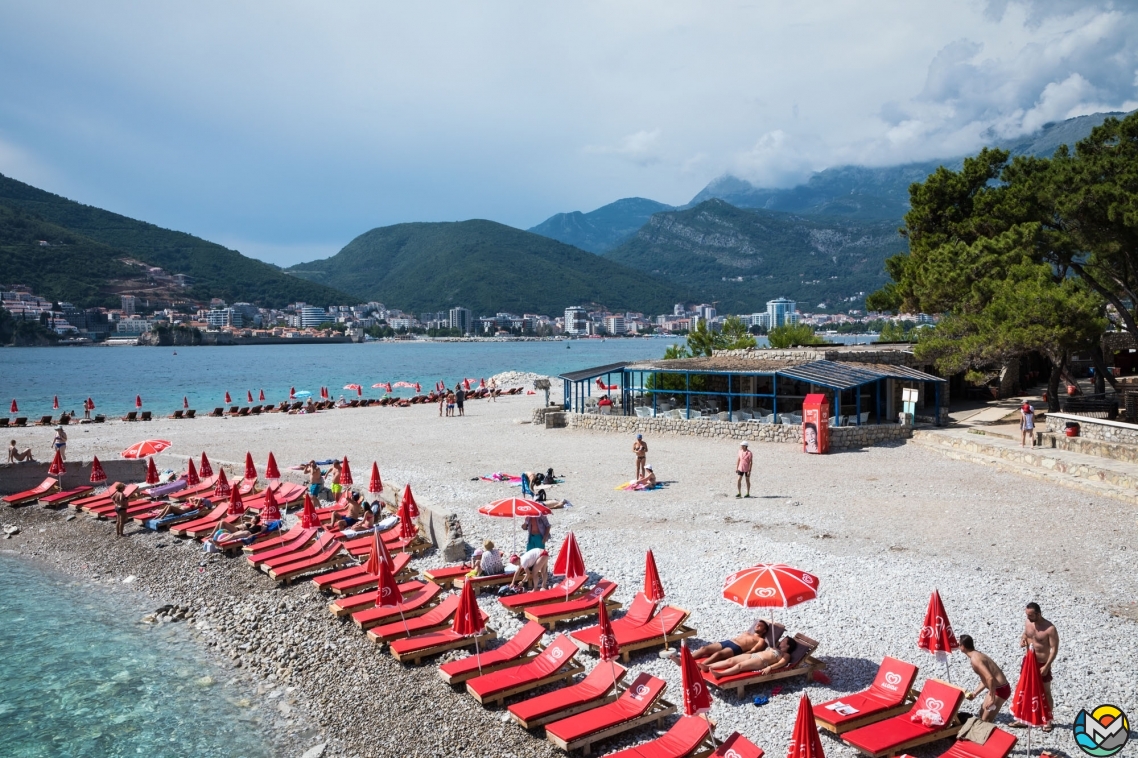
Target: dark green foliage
(733, 336)
(217, 271)
(793, 335)
(177, 335)
(810, 259)
(603, 229)
(24, 332)
(484, 266)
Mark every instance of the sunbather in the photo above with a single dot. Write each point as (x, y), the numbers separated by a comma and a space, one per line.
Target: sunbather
(991, 679)
(16, 456)
(194, 505)
(365, 525)
(490, 562)
(762, 662)
(226, 533)
(533, 569)
(646, 482)
(752, 641)
(353, 513)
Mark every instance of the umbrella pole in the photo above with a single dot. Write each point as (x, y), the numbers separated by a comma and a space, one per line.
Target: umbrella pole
(664, 629)
(612, 666)
(404, 618)
(477, 655)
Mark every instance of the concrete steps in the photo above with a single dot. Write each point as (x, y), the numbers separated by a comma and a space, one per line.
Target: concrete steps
(1100, 476)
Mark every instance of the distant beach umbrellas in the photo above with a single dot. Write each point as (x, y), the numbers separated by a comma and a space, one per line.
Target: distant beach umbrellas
(14, 408)
(261, 396)
(185, 402)
(301, 394)
(97, 473)
(145, 449)
(249, 396)
(192, 479)
(228, 399)
(138, 401)
(55, 403)
(291, 393)
(205, 469)
(376, 484)
(271, 470)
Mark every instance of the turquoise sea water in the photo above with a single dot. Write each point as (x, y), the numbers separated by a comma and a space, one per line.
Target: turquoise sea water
(79, 677)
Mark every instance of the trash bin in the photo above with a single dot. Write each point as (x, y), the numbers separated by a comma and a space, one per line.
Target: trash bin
(816, 424)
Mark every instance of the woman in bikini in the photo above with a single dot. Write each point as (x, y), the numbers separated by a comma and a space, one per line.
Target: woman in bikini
(763, 661)
(751, 641)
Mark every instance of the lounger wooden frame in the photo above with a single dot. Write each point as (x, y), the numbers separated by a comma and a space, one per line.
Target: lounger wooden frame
(443, 578)
(567, 671)
(551, 621)
(572, 711)
(681, 632)
(806, 667)
(870, 718)
(415, 657)
(948, 730)
(656, 712)
(482, 582)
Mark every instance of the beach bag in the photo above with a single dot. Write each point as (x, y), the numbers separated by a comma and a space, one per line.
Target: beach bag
(541, 496)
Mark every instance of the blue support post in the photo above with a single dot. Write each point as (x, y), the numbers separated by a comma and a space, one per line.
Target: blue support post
(857, 406)
(687, 395)
(774, 397)
(878, 382)
(729, 416)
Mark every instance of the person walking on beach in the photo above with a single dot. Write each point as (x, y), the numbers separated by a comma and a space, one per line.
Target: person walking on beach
(337, 473)
(120, 502)
(459, 397)
(743, 469)
(640, 450)
(60, 442)
(493, 390)
(1026, 423)
(1043, 638)
(992, 679)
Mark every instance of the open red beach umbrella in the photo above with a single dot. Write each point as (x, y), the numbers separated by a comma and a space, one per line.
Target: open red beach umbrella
(145, 449)
(151, 472)
(346, 474)
(185, 402)
(805, 743)
(55, 402)
(514, 506)
(271, 511)
(250, 469)
(236, 504)
(770, 585)
(292, 393)
(408, 499)
(376, 484)
(271, 470)
(249, 396)
(15, 408)
(221, 489)
(569, 561)
(228, 400)
(138, 401)
(697, 696)
(97, 473)
(308, 517)
(261, 396)
(192, 475)
(56, 468)
(205, 469)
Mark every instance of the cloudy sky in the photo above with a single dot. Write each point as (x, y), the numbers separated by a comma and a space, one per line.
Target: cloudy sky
(284, 129)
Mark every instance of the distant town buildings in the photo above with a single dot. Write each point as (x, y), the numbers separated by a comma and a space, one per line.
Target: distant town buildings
(460, 319)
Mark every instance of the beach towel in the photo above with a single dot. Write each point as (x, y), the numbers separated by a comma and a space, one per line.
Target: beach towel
(301, 466)
(638, 488)
(499, 476)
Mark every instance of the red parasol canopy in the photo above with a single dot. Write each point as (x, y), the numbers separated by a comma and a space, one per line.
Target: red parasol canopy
(55, 402)
(15, 408)
(292, 393)
(236, 505)
(1029, 701)
(151, 472)
(185, 402)
(418, 388)
(249, 396)
(387, 589)
(138, 401)
(192, 475)
(228, 400)
(569, 562)
(804, 743)
(770, 585)
(697, 697)
(346, 474)
(271, 470)
(271, 512)
(936, 635)
(401, 384)
(56, 468)
(97, 473)
(145, 449)
(466, 384)
(261, 396)
(407, 528)
(408, 499)
(221, 489)
(653, 589)
(482, 383)
(205, 469)
(468, 619)
(90, 404)
(308, 517)
(250, 469)
(378, 386)
(378, 555)
(514, 506)
(376, 484)
(609, 649)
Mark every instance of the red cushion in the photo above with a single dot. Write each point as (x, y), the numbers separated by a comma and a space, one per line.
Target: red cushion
(887, 734)
(559, 653)
(516, 647)
(601, 589)
(998, 745)
(737, 746)
(866, 705)
(681, 740)
(632, 703)
(894, 680)
(596, 685)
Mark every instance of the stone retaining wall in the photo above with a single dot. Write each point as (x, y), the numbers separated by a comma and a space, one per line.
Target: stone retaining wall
(840, 437)
(900, 355)
(1092, 429)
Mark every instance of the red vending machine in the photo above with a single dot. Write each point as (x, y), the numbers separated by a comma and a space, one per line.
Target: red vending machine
(816, 424)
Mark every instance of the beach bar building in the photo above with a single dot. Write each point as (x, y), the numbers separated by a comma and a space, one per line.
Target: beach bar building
(754, 387)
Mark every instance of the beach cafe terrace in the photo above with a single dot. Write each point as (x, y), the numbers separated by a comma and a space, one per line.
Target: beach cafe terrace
(744, 389)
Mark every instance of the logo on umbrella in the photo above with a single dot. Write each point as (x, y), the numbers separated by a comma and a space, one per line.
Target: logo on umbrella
(385, 592)
(1102, 732)
(806, 578)
(608, 640)
(765, 592)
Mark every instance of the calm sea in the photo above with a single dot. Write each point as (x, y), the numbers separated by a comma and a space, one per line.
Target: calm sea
(113, 376)
(81, 678)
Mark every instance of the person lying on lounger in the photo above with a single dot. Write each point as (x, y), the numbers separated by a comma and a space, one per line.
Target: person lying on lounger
(762, 662)
(752, 641)
(16, 456)
(366, 525)
(194, 505)
(227, 534)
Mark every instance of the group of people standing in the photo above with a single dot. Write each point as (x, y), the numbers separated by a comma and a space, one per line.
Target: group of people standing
(452, 400)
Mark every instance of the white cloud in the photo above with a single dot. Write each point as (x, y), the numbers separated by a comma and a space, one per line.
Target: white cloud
(641, 148)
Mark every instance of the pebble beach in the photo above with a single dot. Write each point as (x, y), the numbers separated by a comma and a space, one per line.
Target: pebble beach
(881, 527)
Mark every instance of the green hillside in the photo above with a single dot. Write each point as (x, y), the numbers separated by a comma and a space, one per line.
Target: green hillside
(484, 266)
(216, 270)
(742, 258)
(603, 229)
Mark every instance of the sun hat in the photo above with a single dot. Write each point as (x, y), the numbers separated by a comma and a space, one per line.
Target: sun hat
(649, 467)
(488, 544)
(744, 443)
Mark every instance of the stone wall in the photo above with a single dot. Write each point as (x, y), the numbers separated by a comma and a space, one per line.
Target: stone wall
(840, 437)
(1101, 430)
(898, 355)
(18, 477)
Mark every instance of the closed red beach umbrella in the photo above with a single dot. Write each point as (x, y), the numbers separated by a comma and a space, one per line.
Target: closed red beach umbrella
(346, 474)
(569, 561)
(138, 401)
(407, 528)
(1029, 701)
(236, 505)
(653, 588)
(271, 470)
(185, 402)
(249, 396)
(228, 400)
(56, 468)
(271, 511)
(378, 555)
(292, 393)
(192, 475)
(408, 499)
(468, 618)
(97, 472)
(308, 517)
(936, 634)
(205, 469)
(697, 696)
(466, 384)
(55, 403)
(387, 590)
(261, 396)
(15, 408)
(805, 743)
(418, 388)
(221, 489)
(609, 649)
(482, 383)
(250, 469)
(376, 484)
(151, 472)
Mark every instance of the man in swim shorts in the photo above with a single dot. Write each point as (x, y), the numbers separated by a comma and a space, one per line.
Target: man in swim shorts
(337, 473)
(315, 479)
(1043, 638)
(991, 679)
(763, 661)
(749, 642)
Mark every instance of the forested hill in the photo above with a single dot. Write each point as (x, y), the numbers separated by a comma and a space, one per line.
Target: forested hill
(84, 263)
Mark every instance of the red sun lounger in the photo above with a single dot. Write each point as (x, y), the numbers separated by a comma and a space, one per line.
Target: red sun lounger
(203, 526)
(415, 605)
(46, 487)
(66, 496)
(290, 546)
(595, 690)
(515, 651)
(689, 734)
(802, 663)
(267, 562)
(329, 557)
(998, 745)
(640, 628)
(888, 696)
(638, 705)
(95, 498)
(431, 621)
(737, 746)
(348, 604)
(355, 578)
(414, 649)
(94, 502)
(204, 488)
(559, 593)
(262, 548)
(580, 607)
(901, 733)
(553, 664)
(479, 583)
(445, 576)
